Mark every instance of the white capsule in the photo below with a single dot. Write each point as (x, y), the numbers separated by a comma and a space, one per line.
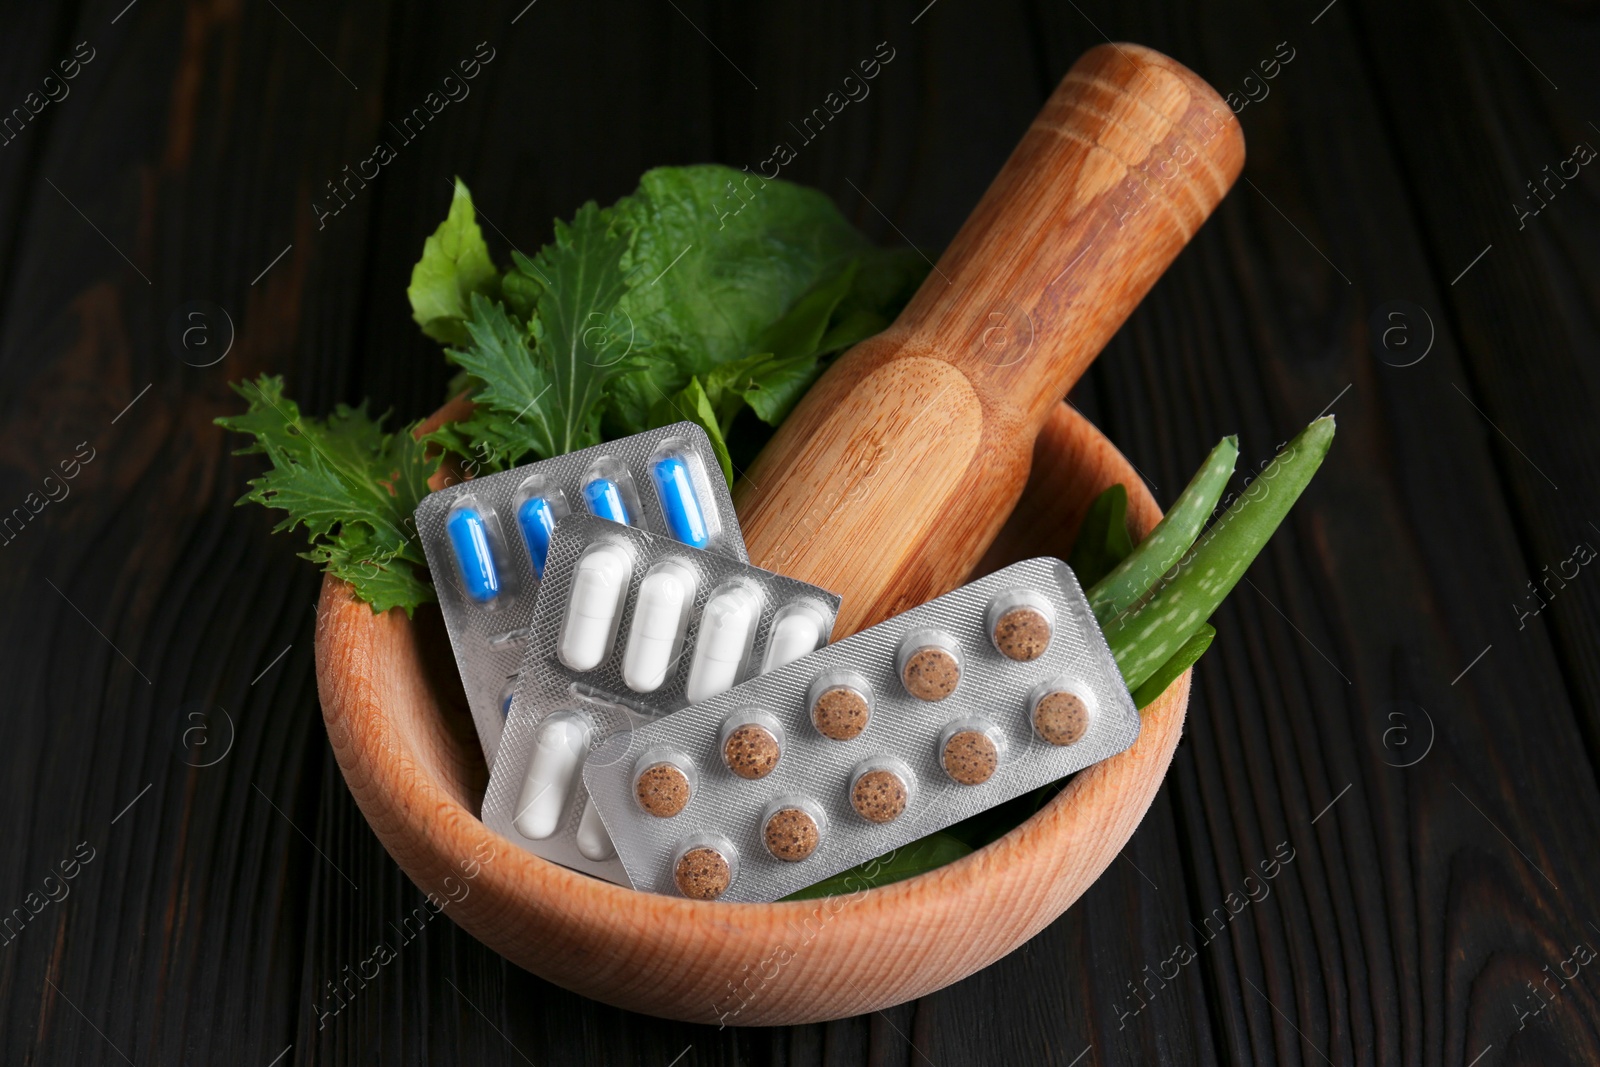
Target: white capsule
(796, 634)
(544, 791)
(597, 591)
(719, 649)
(664, 599)
(593, 841)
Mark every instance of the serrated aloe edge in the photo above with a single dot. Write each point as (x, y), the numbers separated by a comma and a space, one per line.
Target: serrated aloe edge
(1165, 545)
(1146, 635)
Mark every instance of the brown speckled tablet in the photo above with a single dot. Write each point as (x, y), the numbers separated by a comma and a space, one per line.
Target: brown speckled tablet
(663, 790)
(879, 796)
(750, 751)
(1022, 634)
(970, 757)
(702, 874)
(1061, 717)
(931, 673)
(840, 713)
(792, 834)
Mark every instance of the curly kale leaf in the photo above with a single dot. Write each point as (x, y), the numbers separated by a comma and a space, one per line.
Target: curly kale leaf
(352, 486)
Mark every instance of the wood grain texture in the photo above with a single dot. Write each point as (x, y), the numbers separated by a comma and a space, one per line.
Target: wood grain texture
(209, 927)
(749, 964)
(1422, 892)
(914, 446)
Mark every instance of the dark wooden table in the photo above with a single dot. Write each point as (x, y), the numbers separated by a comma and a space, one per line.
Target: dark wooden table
(1387, 702)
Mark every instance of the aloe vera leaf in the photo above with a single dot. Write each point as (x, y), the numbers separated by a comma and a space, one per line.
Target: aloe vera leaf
(1172, 537)
(1146, 636)
(1219, 561)
(1168, 672)
(1103, 539)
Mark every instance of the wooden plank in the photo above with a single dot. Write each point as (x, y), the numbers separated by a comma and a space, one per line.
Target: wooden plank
(1528, 310)
(431, 993)
(1387, 937)
(40, 44)
(207, 926)
(147, 595)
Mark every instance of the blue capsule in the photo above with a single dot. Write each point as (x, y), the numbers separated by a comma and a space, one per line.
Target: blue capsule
(685, 521)
(605, 500)
(469, 539)
(537, 519)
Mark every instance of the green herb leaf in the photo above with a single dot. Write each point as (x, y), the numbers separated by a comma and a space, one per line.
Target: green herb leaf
(522, 287)
(989, 826)
(455, 265)
(852, 328)
(514, 393)
(720, 255)
(886, 282)
(923, 854)
(726, 264)
(540, 389)
(800, 330)
(1186, 657)
(351, 486)
(742, 283)
(1103, 539)
(692, 403)
(771, 385)
(772, 382)
(726, 385)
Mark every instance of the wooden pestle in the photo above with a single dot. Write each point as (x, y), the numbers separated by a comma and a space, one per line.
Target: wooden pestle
(898, 468)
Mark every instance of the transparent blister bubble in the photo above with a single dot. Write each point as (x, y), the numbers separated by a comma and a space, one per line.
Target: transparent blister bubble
(839, 704)
(1061, 709)
(660, 624)
(900, 766)
(971, 750)
(704, 866)
(679, 475)
(482, 570)
(518, 511)
(751, 743)
(663, 781)
(1021, 623)
(793, 826)
(627, 626)
(609, 491)
(798, 630)
(928, 661)
(881, 788)
(723, 639)
(593, 612)
(538, 504)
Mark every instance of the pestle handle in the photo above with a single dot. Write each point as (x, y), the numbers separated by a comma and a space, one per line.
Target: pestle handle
(895, 472)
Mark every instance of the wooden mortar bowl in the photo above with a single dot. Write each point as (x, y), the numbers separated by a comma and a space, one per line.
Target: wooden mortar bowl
(396, 719)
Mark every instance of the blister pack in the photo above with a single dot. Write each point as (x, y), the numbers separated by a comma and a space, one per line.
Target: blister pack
(880, 738)
(487, 541)
(629, 627)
